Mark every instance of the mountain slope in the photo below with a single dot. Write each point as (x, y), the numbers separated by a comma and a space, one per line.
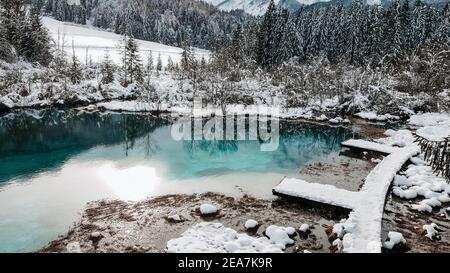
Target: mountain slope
(163, 21)
(92, 44)
(259, 7)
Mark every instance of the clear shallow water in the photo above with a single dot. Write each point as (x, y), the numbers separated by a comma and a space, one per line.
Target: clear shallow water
(53, 162)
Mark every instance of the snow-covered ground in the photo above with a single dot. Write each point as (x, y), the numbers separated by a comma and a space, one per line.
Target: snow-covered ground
(92, 44)
(432, 126)
(419, 181)
(376, 117)
(363, 227)
(361, 232)
(215, 238)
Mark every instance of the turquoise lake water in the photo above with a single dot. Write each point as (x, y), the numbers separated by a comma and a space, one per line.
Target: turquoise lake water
(50, 162)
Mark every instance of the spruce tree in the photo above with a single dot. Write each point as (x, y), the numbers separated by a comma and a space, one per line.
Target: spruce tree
(405, 24)
(392, 33)
(107, 69)
(418, 24)
(441, 37)
(170, 64)
(376, 28)
(203, 63)
(266, 39)
(40, 49)
(134, 61)
(187, 58)
(14, 17)
(159, 63)
(6, 52)
(75, 71)
(150, 66)
(131, 61)
(236, 45)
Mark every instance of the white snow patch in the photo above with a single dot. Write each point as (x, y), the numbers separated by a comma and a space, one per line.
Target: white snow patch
(322, 118)
(400, 138)
(394, 238)
(73, 247)
(207, 209)
(422, 207)
(92, 43)
(405, 194)
(429, 119)
(174, 217)
(339, 120)
(419, 180)
(339, 229)
(431, 231)
(368, 145)
(251, 224)
(279, 236)
(304, 228)
(435, 133)
(376, 117)
(328, 194)
(436, 126)
(338, 244)
(215, 238)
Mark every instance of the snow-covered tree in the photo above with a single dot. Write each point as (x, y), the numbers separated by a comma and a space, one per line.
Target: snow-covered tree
(131, 61)
(38, 48)
(75, 72)
(266, 37)
(107, 69)
(170, 64)
(6, 51)
(22, 28)
(13, 19)
(159, 63)
(187, 58)
(150, 65)
(154, 20)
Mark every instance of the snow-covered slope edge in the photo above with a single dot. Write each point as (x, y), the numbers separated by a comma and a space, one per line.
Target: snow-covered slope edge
(259, 7)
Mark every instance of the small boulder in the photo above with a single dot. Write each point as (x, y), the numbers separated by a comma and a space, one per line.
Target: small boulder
(174, 218)
(73, 247)
(394, 239)
(304, 228)
(208, 209)
(251, 224)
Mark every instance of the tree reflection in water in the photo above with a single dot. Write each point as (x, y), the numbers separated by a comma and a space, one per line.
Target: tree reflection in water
(32, 142)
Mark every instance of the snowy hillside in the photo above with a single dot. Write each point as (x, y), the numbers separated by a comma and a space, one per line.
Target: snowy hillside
(92, 44)
(258, 7)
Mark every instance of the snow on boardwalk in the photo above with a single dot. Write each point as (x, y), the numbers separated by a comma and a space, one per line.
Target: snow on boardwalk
(321, 193)
(368, 145)
(363, 227)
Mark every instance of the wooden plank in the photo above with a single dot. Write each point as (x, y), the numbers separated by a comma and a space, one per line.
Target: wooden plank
(369, 146)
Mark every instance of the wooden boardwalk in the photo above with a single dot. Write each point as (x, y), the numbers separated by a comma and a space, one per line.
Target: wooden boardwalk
(363, 227)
